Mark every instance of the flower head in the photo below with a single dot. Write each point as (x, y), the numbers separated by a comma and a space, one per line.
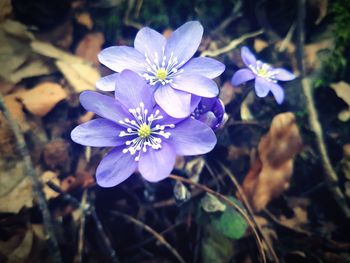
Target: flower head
(265, 76)
(211, 111)
(144, 137)
(167, 67)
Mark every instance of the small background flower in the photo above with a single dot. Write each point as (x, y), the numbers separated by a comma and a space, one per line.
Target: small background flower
(167, 66)
(265, 76)
(144, 137)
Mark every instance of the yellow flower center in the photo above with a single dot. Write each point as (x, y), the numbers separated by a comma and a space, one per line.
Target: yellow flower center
(144, 131)
(162, 73)
(263, 72)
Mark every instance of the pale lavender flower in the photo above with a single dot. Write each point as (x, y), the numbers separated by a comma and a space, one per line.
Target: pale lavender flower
(265, 76)
(144, 137)
(167, 66)
(211, 111)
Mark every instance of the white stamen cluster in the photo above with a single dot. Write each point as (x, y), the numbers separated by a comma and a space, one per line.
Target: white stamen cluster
(162, 69)
(263, 70)
(143, 133)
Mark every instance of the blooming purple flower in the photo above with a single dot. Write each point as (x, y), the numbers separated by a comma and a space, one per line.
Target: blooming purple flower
(167, 66)
(144, 137)
(211, 111)
(265, 76)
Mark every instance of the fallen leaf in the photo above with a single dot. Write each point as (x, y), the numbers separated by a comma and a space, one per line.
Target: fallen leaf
(260, 44)
(194, 168)
(89, 47)
(49, 176)
(269, 175)
(80, 73)
(5, 9)
(228, 92)
(19, 196)
(85, 19)
(181, 192)
(343, 91)
(16, 109)
(41, 99)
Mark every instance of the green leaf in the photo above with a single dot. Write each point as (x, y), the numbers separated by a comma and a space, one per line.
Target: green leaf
(215, 248)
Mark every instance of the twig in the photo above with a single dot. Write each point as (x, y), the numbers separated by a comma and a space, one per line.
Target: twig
(250, 210)
(37, 186)
(230, 203)
(235, 13)
(127, 21)
(330, 175)
(154, 233)
(83, 208)
(233, 44)
(107, 243)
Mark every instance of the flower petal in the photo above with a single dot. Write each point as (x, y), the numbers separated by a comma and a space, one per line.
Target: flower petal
(156, 165)
(149, 41)
(262, 86)
(277, 92)
(176, 103)
(192, 137)
(98, 133)
(206, 67)
(196, 84)
(122, 57)
(104, 106)
(194, 102)
(131, 89)
(247, 56)
(115, 168)
(241, 76)
(282, 74)
(107, 83)
(185, 41)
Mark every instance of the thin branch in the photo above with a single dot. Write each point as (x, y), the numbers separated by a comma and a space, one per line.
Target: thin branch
(37, 186)
(154, 233)
(330, 175)
(233, 44)
(230, 203)
(250, 210)
(83, 209)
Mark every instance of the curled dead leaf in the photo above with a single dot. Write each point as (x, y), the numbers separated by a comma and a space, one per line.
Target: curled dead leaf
(269, 175)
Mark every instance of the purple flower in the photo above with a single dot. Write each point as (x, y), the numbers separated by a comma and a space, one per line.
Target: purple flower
(211, 111)
(144, 137)
(265, 76)
(167, 66)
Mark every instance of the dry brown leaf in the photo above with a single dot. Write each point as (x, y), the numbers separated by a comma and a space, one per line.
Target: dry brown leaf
(21, 195)
(56, 155)
(41, 99)
(260, 44)
(85, 20)
(311, 53)
(89, 47)
(343, 91)
(228, 92)
(270, 174)
(299, 219)
(16, 109)
(49, 176)
(80, 74)
(86, 117)
(5, 9)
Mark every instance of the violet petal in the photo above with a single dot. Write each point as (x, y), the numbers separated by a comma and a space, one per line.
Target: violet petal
(262, 86)
(247, 56)
(176, 103)
(98, 133)
(107, 83)
(241, 76)
(196, 84)
(185, 41)
(149, 41)
(104, 106)
(131, 89)
(282, 74)
(122, 57)
(155, 165)
(277, 92)
(115, 168)
(192, 137)
(206, 67)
